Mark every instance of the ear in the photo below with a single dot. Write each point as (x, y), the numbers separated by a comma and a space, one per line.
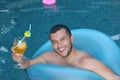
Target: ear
(72, 38)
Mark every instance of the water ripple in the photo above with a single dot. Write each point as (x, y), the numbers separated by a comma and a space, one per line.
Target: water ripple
(116, 37)
(3, 49)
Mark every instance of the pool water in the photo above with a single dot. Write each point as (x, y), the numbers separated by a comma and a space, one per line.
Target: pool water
(16, 16)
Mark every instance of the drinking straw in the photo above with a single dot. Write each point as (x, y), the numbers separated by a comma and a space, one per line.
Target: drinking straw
(26, 34)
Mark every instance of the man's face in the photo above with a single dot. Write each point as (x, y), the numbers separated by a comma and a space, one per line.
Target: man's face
(62, 42)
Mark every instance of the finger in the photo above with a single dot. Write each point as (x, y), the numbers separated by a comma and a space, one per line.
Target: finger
(16, 58)
(13, 49)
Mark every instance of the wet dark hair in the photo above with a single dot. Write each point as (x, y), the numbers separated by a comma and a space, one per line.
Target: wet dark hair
(58, 27)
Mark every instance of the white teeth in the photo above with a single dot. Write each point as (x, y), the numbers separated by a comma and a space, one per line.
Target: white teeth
(61, 49)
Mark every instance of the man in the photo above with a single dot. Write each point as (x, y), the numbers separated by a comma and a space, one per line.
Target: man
(65, 54)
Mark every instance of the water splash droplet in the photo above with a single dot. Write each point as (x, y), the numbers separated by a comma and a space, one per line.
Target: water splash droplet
(116, 37)
(3, 49)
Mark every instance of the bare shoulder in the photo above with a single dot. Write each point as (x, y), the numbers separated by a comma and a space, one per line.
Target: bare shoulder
(49, 54)
(80, 59)
(86, 57)
(84, 54)
(45, 56)
(83, 59)
(52, 57)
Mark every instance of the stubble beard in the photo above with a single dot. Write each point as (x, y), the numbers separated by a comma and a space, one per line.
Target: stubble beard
(68, 52)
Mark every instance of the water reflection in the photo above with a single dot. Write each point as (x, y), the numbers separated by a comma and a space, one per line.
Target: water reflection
(6, 10)
(19, 4)
(54, 7)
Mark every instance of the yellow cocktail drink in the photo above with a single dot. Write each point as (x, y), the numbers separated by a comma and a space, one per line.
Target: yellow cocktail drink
(20, 48)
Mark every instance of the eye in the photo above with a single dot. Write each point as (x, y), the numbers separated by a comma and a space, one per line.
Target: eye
(53, 42)
(62, 39)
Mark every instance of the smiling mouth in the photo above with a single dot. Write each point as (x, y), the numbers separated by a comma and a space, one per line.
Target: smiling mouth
(61, 49)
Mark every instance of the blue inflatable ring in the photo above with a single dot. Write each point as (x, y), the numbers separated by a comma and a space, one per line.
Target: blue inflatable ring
(94, 42)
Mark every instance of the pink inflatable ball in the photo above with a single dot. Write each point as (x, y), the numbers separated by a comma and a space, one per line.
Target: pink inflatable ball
(48, 2)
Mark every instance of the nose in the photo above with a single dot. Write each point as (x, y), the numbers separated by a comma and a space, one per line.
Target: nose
(59, 44)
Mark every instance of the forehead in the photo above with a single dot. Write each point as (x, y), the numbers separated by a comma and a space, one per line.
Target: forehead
(59, 32)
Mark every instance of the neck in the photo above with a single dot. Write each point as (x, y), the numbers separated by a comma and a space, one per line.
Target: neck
(71, 55)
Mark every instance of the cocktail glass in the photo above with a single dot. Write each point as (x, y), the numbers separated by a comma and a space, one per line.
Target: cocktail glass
(19, 47)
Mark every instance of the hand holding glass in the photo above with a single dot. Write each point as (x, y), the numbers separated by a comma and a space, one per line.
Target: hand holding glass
(19, 49)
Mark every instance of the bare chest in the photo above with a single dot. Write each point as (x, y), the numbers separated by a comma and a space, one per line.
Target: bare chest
(56, 59)
(76, 61)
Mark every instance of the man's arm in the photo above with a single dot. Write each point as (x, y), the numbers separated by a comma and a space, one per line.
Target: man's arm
(27, 62)
(99, 68)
